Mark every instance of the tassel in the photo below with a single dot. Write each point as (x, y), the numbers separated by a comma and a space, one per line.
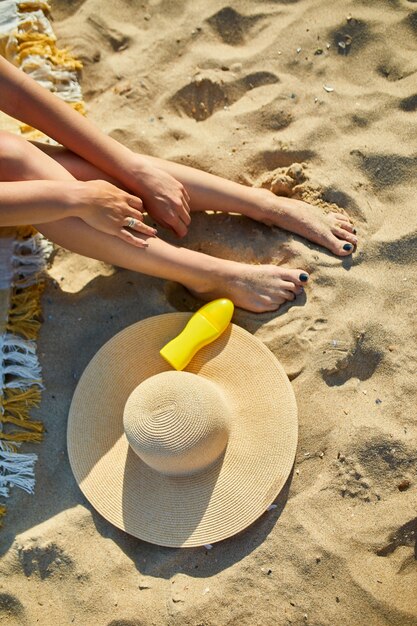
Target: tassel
(16, 470)
(20, 437)
(9, 446)
(16, 402)
(34, 5)
(19, 365)
(25, 311)
(43, 45)
(29, 259)
(27, 424)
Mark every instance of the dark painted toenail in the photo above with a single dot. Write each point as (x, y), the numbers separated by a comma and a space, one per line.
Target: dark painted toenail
(304, 277)
(354, 231)
(347, 246)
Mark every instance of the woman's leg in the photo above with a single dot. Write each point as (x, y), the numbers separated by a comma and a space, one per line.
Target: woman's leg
(253, 287)
(208, 192)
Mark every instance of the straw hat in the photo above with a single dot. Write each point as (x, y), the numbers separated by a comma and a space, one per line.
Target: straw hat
(182, 458)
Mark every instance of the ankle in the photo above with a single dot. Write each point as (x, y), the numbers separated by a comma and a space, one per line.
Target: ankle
(213, 274)
(262, 203)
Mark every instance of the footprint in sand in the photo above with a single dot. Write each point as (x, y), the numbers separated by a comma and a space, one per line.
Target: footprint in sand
(12, 611)
(344, 358)
(351, 481)
(388, 461)
(386, 170)
(209, 92)
(232, 27)
(401, 251)
(409, 104)
(405, 535)
(43, 560)
(375, 466)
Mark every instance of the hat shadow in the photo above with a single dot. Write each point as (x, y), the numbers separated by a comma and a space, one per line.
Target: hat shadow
(199, 562)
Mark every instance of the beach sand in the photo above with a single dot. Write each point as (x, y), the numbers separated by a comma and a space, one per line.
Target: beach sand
(314, 98)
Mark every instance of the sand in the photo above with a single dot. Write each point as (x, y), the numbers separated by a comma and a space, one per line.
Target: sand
(247, 90)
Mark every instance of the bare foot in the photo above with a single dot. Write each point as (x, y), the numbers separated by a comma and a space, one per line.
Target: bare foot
(334, 231)
(256, 288)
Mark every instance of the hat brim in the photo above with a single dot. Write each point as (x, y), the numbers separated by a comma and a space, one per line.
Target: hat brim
(190, 510)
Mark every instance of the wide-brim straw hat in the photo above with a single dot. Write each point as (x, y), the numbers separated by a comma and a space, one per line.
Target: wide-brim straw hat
(182, 458)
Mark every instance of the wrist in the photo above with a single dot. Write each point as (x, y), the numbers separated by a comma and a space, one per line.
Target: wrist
(134, 171)
(73, 198)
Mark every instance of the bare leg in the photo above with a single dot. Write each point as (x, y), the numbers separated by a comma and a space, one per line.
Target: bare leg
(208, 192)
(253, 287)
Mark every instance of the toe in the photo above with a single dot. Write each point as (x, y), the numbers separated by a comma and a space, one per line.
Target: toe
(342, 216)
(346, 226)
(288, 295)
(345, 248)
(295, 279)
(341, 246)
(345, 235)
(266, 304)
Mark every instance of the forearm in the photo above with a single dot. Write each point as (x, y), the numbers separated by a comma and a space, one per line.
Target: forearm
(35, 201)
(27, 101)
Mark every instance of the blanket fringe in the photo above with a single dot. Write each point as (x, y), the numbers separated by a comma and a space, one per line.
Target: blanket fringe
(16, 470)
(28, 41)
(20, 371)
(32, 46)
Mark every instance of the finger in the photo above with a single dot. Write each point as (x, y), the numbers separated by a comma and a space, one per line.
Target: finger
(184, 214)
(186, 195)
(175, 223)
(180, 228)
(137, 224)
(138, 242)
(141, 227)
(134, 202)
(165, 224)
(130, 220)
(186, 207)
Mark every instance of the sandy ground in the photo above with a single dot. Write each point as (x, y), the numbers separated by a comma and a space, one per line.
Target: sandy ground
(246, 90)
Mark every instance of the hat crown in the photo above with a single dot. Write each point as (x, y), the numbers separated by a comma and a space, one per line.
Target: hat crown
(177, 422)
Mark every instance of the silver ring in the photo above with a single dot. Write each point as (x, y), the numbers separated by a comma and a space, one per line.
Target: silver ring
(132, 222)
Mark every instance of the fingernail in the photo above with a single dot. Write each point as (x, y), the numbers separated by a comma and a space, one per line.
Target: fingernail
(354, 231)
(304, 277)
(347, 246)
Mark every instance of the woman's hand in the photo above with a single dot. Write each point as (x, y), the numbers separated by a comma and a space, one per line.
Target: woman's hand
(107, 208)
(164, 198)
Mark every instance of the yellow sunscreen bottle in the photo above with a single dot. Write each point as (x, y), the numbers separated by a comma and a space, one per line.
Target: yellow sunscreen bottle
(202, 328)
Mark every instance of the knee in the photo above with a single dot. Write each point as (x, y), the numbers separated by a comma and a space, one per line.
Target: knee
(13, 156)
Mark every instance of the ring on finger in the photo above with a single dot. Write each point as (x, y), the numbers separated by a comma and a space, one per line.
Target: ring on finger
(132, 222)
